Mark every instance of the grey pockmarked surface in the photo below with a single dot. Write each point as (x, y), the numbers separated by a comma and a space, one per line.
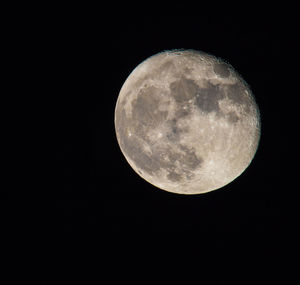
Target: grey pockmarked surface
(187, 122)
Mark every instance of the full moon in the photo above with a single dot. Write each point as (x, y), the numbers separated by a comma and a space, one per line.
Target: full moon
(187, 122)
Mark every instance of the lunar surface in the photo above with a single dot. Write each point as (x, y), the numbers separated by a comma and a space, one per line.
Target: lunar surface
(187, 122)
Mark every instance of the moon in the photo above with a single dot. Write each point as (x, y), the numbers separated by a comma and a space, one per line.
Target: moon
(187, 122)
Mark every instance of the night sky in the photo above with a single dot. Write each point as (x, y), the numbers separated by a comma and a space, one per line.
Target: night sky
(96, 189)
(93, 194)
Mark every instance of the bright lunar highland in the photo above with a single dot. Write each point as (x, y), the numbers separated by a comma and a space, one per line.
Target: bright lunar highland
(187, 122)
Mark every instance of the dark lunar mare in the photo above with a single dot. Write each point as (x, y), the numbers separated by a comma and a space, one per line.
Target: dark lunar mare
(183, 89)
(222, 69)
(206, 99)
(146, 116)
(236, 93)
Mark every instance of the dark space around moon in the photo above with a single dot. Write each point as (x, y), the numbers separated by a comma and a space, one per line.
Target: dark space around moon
(95, 195)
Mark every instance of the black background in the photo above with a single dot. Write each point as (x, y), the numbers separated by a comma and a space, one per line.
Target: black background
(91, 194)
(96, 190)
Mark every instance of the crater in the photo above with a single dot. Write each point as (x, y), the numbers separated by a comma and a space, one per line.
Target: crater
(232, 117)
(221, 69)
(142, 81)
